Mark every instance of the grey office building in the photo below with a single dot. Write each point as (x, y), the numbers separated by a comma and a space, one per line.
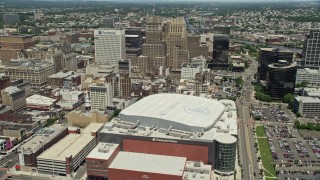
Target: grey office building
(311, 50)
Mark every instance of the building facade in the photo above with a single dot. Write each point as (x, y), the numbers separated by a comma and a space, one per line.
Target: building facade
(109, 46)
(268, 56)
(312, 76)
(35, 72)
(11, 46)
(100, 96)
(311, 50)
(14, 97)
(99, 160)
(307, 106)
(280, 79)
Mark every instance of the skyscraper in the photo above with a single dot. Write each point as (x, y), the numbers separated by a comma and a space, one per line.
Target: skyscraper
(311, 50)
(220, 49)
(154, 50)
(177, 43)
(280, 79)
(109, 46)
(268, 56)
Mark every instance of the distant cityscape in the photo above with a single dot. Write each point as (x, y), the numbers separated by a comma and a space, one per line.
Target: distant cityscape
(159, 90)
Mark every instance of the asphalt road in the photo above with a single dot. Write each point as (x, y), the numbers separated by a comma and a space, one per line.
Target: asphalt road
(248, 157)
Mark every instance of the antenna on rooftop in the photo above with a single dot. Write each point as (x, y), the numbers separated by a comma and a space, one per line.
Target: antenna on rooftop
(153, 9)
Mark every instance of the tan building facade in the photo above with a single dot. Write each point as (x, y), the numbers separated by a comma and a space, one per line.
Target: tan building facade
(177, 42)
(82, 119)
(12, 45)
(14, 97)
(35, 74)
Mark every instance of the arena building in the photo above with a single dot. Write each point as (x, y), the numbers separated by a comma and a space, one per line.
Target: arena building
(197, 128)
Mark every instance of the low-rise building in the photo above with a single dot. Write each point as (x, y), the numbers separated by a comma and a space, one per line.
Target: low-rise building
(39, 142)
(129, 165)
(307, 106)
(33, 71)
(99, 160)
(82, 119)
(67, 155)
(40, 102)
(312, 76)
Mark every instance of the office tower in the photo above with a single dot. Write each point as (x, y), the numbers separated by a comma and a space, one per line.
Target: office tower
(280, 80)
(11, 46)
(121, 84)
(177, 43)
(268, 56)
(195, 47)
(14, 97)
(311, 50)
(153, 30)
(9, 19)
(135, 37)
(154, 50)
(109, 46)
(220, 54)
(100, 96)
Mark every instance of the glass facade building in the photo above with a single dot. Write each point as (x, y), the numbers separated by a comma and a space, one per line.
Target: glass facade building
(226, 147)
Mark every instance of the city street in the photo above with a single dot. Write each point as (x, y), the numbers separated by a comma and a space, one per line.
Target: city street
(248, 157)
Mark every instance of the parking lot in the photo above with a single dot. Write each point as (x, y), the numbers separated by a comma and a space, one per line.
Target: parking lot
(271, 113)
(293, 155)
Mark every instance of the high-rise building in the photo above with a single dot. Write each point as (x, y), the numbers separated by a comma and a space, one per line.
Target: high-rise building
(268, 56)
(177, 43)
(220, 53)
(100, 95)
(195, 47)
(109, 46)
(311, 50)
(280, 79)
(121, 84)
(154, 50)
(9, 19)
(14, 97)
(11, 46)
(153, 30)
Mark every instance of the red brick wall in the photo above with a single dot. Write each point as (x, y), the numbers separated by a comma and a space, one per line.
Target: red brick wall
(118, 174)
(191, 152)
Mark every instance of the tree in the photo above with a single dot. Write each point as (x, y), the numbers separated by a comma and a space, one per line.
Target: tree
(298, 114)
(297, 124)
(303, 83)
(258, 88)
(289, 98)
(263, 97)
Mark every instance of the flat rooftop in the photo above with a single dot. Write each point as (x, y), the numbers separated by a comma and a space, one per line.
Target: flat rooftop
(71, 145)
(176, 110)
(103, 151)
(160, 164)
(92, 128)
(196, 170)
(41, 137)
(307, 99)
(39, 100)
(226, 124)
